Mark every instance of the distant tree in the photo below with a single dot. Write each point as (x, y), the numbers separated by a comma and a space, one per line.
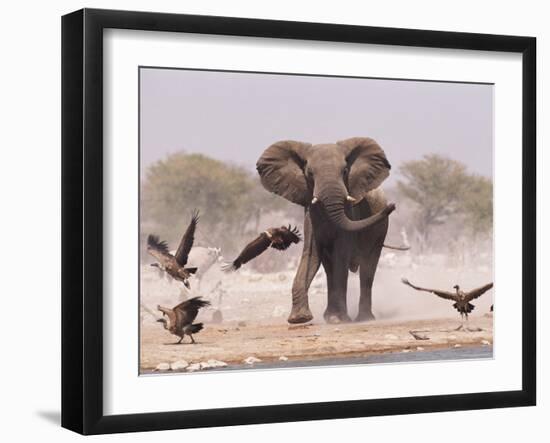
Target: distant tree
(477, 204)
(436, 184)
(444, 192)
(261, 202)
(231, 200)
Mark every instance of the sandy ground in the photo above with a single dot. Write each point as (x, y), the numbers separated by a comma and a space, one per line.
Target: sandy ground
(255, 307)
(233, 342)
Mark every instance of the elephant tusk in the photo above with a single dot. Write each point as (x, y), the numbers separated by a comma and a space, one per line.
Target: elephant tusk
(351, 199)
(315, 200)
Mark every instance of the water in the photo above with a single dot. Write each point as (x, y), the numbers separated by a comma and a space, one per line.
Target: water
(462, 353)
(446, 354)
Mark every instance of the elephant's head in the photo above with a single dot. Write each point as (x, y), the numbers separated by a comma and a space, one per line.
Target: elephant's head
(332, 175)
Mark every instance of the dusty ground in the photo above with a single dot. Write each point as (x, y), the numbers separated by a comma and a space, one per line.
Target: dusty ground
(255, 307)
(232, 343)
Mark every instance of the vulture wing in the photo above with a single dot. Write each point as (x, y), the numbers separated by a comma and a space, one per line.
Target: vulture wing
(442, 294)
(251, 250)
(478, 292)
(284, 237)
(188, 310)
(158, 249)
(187, 240)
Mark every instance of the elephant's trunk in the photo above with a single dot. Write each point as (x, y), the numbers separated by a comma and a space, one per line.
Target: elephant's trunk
(333, 199)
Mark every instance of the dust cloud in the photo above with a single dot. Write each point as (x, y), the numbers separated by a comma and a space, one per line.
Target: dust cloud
(252, 295)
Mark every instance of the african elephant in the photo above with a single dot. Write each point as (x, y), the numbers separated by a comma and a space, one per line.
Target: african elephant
(346, 216)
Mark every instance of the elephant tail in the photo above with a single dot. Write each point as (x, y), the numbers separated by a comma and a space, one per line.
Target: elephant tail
(398, 248)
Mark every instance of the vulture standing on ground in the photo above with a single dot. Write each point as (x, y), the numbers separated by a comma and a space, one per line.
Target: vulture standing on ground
(174, 265)
(278, 238)
(462, 299)
(181, 317)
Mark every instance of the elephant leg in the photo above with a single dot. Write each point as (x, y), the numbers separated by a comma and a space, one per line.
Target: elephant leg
(308, 267)
(336, 266)
(366, 277)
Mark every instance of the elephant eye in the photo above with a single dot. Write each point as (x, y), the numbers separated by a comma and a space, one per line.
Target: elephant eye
(345, 171)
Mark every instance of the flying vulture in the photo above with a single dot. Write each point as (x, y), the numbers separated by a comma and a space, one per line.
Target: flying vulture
(278, 238)
(461, 299)
(181, 317)
(174, 265)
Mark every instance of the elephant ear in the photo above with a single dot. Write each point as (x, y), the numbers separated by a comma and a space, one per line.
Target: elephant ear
(368, 165)
(281, 169)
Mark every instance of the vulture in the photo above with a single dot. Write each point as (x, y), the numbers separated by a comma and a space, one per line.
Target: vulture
(278, 238)
(461, 299)
(174, 265)
(181, 317)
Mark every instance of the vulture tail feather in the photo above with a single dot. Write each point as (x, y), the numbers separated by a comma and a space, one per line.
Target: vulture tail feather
(194, 328)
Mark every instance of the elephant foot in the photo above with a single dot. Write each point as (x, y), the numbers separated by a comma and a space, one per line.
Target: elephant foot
(336, 318)
(367, 316)
(300, 316)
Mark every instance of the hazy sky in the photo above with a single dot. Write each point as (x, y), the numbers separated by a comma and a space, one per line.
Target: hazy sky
(235, 116)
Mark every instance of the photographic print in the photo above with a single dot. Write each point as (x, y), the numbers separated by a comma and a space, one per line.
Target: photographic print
(306, 220)
(250, 204)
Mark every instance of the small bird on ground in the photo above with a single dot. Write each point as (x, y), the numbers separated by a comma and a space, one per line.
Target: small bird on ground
(278, 238)
(181, 317)
(462, 299)
(174, 265)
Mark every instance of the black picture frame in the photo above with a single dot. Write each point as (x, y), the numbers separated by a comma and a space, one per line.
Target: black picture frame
(82, 220)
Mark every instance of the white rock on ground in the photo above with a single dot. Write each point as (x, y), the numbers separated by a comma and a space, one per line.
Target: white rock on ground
(217, 363)
(251, 360)
(485, 342)
(419, 348)
(283, 358)
(193, 367)
(204, 365)
(210, 364)
(391, 337)
(179, 365)
(457, 345)
(163, 367)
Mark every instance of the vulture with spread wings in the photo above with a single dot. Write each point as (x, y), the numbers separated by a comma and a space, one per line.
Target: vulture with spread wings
(278, 238)
(174, 265)
(180, 319)
(461, 299)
